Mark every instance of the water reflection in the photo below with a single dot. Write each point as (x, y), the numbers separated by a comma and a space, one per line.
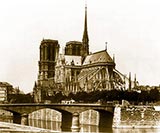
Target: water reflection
(53, 125)
(141, 130)
(95, 129)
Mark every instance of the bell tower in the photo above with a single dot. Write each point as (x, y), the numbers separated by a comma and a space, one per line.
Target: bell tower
(49, 50)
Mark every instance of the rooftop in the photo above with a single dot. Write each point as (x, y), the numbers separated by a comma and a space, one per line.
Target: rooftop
(98, 57)
(5, 84)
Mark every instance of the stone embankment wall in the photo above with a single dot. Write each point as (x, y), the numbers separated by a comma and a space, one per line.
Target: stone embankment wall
(136, 117)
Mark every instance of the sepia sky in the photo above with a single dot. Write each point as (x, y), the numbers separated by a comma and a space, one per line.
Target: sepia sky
(131, 28)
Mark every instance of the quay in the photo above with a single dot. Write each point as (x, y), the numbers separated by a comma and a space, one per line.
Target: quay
(5, 126)
(136, 117)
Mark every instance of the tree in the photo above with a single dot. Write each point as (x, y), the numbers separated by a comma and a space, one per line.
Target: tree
(20, 98)
(154, 95)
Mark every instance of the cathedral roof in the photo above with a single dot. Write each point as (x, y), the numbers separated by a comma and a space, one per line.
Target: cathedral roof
(98, 57)
(73, 60)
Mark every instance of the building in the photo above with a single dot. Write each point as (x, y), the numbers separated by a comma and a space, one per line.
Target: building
(5, 89)
(76, 69)
(97, 72)
(49, 50)
(74, 48)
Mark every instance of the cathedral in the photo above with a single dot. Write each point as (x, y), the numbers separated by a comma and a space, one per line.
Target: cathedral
(74, 70)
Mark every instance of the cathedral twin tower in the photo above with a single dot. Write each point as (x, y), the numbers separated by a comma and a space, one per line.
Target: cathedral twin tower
(49, 52)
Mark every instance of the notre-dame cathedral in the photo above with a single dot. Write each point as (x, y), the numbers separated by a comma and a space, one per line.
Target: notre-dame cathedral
(76, 69)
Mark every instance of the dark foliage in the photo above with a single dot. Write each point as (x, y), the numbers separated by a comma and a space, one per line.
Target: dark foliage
(94, 96)
(20, 98)
(116, 95)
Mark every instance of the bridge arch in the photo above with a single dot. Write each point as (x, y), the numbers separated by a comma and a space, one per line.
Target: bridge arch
(102, 118)
(89, 117)
(4, 112)
(15, 115)
(45, 114)
(65, 117)
(57, 115)
(105, 119)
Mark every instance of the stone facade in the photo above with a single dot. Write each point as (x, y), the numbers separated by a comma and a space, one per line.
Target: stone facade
(74, 48)
(49, 50)
(97, 72)
(67, 70)
(136, 117)
(5, 89)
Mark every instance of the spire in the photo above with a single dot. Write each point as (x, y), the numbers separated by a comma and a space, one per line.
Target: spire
(85, 33)
(130, 84)
(135, 81)
(85, 38)
(113, 57)
(135, 78)
(106, 45)
(35, 85)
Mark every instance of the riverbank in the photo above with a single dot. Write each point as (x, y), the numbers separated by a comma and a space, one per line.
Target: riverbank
(5, 126)
(136, 117)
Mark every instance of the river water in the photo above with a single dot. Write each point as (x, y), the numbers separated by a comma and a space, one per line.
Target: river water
(56, 126)
(89, 128)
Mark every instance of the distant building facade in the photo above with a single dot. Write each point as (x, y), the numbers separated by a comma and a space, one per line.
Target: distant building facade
(5, 90)
(74, 70)
(4, 87)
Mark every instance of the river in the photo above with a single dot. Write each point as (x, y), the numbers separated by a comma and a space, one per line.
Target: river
(56, 126)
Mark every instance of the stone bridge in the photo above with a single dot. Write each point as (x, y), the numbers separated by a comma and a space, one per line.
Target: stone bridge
(70, 113)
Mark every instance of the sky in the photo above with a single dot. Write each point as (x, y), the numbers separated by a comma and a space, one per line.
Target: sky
(131, 29)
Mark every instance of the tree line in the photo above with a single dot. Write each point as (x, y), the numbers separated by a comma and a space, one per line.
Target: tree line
(117, 95)
(94, 96)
